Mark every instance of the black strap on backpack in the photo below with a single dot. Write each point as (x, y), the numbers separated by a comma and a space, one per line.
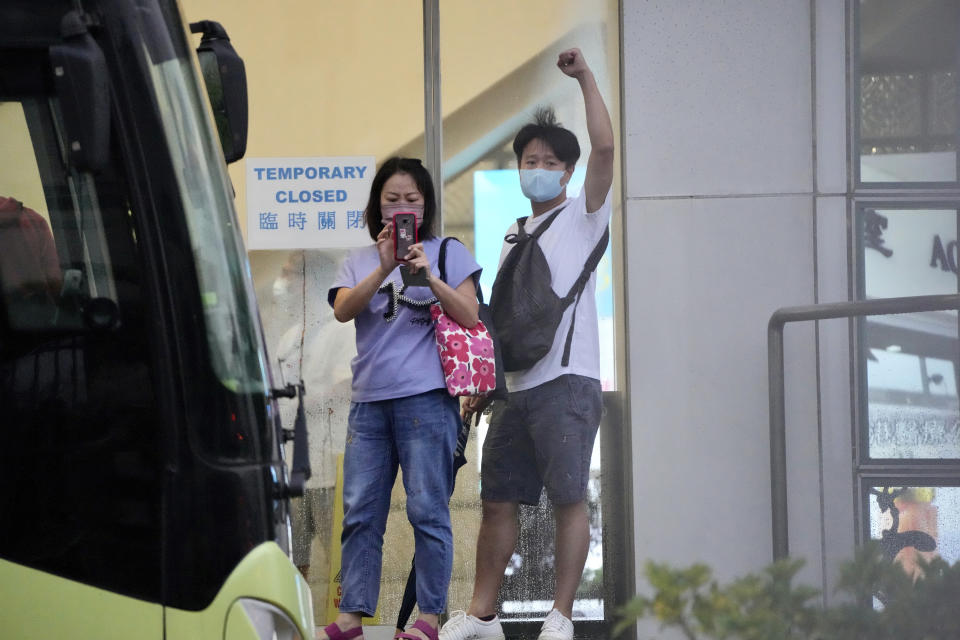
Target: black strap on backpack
(592, 262)
(573, 296)
(521, 234)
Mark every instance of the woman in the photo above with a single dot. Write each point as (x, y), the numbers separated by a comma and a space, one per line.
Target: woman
(401, 413)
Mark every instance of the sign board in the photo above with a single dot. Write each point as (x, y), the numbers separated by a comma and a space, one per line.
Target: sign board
(308, 203)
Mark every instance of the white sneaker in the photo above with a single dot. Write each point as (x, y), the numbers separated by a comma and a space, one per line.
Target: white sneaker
(556, 627)
(461, 626)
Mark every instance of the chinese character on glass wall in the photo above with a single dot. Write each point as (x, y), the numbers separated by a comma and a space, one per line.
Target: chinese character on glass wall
(355, 220)
(297, 219)
(268, 221)
(327, 220)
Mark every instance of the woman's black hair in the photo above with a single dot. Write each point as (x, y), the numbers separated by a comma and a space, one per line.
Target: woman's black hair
(546, 128)
(414, 168)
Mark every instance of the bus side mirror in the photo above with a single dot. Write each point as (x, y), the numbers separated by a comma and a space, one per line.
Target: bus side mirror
(226, 80)
(83, 87)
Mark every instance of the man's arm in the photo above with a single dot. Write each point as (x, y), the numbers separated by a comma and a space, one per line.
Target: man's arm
(600, 163)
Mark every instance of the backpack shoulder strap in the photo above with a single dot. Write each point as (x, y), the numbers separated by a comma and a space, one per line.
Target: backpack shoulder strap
(577, 289)
(536, 233)
(589, 266)
(521, 235)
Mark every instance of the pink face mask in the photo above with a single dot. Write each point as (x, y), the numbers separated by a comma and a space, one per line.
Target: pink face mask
(387, 210)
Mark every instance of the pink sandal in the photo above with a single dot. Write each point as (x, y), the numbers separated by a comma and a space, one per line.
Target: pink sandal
(334, 633)
(421, 625)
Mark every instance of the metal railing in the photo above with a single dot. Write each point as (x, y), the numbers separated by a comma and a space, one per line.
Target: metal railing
(775, 366)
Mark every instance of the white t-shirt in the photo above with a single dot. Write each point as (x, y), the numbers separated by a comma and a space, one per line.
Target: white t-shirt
(566, 245)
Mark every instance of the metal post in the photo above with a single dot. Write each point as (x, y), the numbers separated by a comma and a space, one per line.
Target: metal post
(778, 438)
(432, 109)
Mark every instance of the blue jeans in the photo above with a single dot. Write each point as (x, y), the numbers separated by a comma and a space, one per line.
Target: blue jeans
(418, 433)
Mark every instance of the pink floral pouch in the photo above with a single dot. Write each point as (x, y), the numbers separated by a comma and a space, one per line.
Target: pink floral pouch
(466, 355)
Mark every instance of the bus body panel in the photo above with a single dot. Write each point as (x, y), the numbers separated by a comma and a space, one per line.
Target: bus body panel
(36, 605)
(265, 575)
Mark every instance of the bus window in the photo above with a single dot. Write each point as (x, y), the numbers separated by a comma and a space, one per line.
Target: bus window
(80, 470)
(141, 450)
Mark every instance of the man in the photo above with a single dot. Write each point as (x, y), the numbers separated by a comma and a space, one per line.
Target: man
(543, 435)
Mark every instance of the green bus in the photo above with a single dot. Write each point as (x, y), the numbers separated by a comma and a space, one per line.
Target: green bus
(143, 487)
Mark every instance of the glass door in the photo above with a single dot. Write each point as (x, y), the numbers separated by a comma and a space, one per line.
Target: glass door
(488, 94)
(376, 108)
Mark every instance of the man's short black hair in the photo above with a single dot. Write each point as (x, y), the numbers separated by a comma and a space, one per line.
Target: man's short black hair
(415, 169)
(546, 128)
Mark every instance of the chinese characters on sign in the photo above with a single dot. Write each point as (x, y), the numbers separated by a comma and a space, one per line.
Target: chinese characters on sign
(308, 203)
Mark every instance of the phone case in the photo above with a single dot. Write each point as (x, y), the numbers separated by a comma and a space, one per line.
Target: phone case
(404, 234)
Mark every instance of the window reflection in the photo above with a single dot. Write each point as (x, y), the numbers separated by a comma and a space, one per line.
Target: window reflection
(908, 70)
(915, 522)
(911, 359)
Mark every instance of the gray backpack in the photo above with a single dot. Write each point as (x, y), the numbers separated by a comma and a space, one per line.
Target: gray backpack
(526, 311)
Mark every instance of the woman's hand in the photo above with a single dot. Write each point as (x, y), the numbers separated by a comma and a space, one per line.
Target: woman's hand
(385, 248)
(416, 259)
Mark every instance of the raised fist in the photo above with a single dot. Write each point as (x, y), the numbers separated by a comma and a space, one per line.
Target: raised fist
(571, 62)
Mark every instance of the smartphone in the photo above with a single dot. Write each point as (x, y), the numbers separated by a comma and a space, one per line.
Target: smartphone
(404, 234)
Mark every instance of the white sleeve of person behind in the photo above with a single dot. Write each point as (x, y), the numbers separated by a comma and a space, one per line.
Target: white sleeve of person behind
(567, 244)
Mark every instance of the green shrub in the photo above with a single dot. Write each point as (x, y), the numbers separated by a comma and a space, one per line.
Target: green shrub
(769, 606)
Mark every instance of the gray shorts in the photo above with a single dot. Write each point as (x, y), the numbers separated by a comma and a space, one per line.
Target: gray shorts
(542, 437)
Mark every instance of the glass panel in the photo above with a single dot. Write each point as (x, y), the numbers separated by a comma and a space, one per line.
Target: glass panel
(306, 342)
(527, 590)
(484, 106)
(913, 522)
(80, 463)
(941, 377)
(353, 105)
(198, 162)
(911, 359)
(907, 67)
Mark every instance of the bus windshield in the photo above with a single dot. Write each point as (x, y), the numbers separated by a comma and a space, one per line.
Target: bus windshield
(198, 162)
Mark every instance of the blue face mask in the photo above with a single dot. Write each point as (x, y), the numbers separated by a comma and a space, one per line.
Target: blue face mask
(541, 185)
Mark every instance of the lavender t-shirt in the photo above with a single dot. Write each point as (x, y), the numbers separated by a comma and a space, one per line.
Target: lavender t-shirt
(396, 349)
